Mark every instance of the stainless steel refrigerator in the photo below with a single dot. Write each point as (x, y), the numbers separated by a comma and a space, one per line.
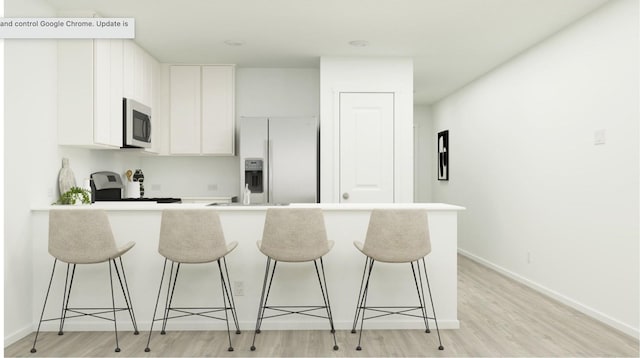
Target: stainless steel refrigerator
(279, 159)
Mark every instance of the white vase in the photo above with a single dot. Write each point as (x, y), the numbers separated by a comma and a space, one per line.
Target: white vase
(66, 178)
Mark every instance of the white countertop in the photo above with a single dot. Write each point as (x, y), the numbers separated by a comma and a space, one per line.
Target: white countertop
(152, 206)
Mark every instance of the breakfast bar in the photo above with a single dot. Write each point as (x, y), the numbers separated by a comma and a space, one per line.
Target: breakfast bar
(140, 222)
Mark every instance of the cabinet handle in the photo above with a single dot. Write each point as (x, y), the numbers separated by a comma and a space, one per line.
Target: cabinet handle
(345, 196)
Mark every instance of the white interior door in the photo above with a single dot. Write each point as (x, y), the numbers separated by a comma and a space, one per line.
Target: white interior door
(366, 147)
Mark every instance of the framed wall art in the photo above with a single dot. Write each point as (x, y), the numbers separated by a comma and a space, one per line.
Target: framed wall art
(443, 155)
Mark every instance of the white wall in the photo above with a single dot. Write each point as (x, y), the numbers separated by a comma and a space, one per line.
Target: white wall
(32, 159)
(259, 92)
(524, 163)
(359, 74)
(29, 118)
(424, 153)
(277, 92)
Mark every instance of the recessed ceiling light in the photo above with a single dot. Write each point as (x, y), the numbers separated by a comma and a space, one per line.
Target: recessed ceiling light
(234, 43)
(359, 43)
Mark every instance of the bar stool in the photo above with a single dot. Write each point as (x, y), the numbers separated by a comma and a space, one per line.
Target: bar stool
(84, 236)
(396, 236)
(193, 237)
(294, 235)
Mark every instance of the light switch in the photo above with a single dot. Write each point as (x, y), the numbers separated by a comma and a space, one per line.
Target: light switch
(599, 137)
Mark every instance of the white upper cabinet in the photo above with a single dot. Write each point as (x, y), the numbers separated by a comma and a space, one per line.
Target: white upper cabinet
(218, 109)
(185, 105)
(140, 71)
(138, 68)
(202, 109)
(90, 91)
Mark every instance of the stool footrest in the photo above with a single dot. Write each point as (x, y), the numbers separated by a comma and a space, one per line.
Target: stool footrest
(84, 314)
(287, 310)
(205, 313)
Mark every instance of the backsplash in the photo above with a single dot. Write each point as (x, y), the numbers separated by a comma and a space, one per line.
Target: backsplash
(190, 176)
(164, 176)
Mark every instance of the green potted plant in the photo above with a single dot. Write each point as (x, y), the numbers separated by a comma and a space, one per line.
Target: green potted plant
(74, 196)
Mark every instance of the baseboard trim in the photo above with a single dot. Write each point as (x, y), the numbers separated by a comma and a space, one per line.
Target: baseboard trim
(17, 335)
(246, 326)
(608, 320)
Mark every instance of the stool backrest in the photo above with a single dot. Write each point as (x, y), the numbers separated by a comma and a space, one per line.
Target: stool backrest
(191, 236)
(397, 235)
(81, 236)
(294, 235)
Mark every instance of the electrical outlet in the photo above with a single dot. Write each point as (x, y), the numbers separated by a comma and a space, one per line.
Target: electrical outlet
(212, 187)
(238, 288)
(599, 137)
(528, 257)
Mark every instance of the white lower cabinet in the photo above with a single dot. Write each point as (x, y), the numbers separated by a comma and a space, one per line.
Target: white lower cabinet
(90, 93)
(202, 101)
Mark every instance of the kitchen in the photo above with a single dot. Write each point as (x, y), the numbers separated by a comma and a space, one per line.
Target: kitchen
(28, 186)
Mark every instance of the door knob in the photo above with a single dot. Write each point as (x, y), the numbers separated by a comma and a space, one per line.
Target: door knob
(345, 196)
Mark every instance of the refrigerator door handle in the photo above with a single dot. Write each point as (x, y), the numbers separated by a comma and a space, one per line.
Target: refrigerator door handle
(270, 168)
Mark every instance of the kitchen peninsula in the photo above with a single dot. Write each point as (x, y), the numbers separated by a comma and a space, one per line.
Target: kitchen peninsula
(140, 222)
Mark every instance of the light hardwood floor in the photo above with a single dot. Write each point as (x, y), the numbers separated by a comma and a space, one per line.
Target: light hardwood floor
(499, 318)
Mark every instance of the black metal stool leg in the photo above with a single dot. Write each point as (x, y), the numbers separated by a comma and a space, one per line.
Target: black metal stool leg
(126, 294)
(167, 307)
(364, 303)
(360, 296)
(421, 298)
(325, 298)
(65, 297)
(229, 294)
(223, 289)
(263, 299)
(424, 266)
(113, 302)
(153, 319)
(53, 271)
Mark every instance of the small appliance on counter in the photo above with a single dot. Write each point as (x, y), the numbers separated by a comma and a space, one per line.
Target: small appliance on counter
(107, 186)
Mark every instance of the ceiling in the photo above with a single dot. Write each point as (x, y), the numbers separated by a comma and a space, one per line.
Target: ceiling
(452, 42)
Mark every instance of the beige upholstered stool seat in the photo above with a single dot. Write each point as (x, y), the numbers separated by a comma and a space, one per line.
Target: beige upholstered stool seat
(194, 236)
(294, 235)
(84, 236)
(396, 236)
(81, 236)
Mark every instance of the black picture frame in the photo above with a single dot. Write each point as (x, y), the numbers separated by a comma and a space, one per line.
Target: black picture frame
(443, 155)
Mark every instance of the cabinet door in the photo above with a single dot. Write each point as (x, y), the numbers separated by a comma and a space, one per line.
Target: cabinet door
(128, 68)
(107, 108)
(146, 92)
(159, 123)
(185, 109)
(138, 73)
(218, 124)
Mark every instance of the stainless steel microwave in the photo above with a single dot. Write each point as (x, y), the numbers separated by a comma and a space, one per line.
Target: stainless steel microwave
(136, 124)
